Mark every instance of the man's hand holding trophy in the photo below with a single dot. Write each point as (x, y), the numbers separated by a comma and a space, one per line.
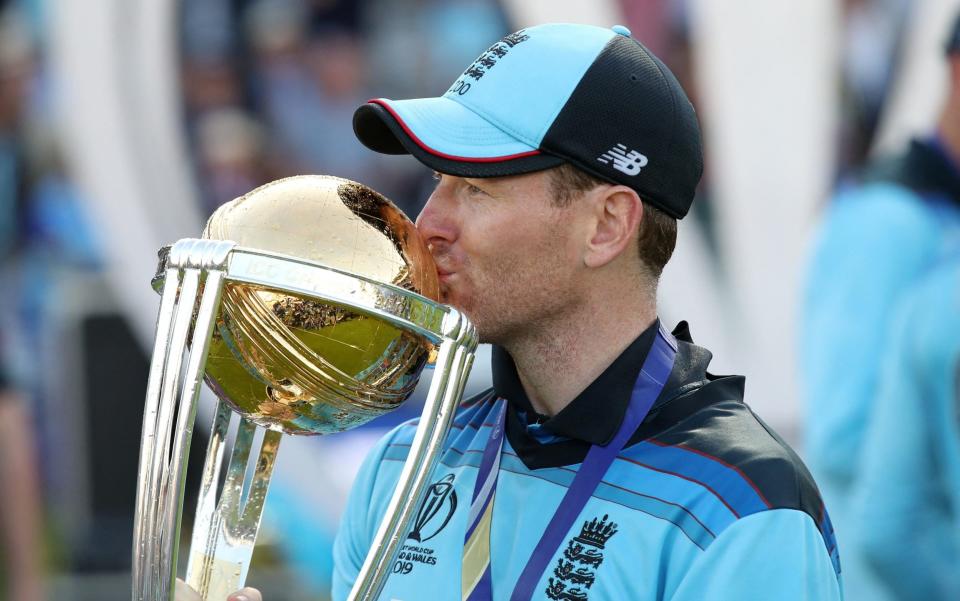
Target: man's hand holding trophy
(184, 593)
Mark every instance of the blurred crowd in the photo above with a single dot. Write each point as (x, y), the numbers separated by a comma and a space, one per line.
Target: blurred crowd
(270, 86)
(269, 89)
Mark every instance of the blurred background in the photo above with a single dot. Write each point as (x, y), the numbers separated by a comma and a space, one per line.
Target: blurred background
(124, 123)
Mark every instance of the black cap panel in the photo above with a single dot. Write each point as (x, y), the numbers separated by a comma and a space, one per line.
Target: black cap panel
(657, 153)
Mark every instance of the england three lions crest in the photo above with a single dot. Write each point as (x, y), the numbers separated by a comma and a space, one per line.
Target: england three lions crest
(576, 570)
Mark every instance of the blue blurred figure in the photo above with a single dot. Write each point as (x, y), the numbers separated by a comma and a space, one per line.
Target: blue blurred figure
(21, 544)
(879, 357)
(906, 502)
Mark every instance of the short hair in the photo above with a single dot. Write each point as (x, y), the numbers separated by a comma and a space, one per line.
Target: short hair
(657, 235)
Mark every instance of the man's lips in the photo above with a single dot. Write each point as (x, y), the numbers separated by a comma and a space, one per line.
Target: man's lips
(443, 272)
(444, 277)
(441, 257)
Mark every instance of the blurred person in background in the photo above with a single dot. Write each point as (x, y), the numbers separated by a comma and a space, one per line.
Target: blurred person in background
(230, 155)
(17, 65)
(906, 502)
(871, 35)
(312, 63)
(905, 515)
(306, 84)
(879, 364)
(21, 574)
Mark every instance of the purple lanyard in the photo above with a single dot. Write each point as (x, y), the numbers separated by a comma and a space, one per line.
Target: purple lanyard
(653, 375)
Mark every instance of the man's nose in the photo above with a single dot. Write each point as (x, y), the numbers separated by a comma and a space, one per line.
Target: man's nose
(435, 221)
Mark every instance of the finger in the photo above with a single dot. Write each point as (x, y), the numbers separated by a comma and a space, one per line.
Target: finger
(184, 593)
(245, 594)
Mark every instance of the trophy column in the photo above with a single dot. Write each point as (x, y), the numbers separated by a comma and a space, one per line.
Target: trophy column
(195, 271)
(225, 529)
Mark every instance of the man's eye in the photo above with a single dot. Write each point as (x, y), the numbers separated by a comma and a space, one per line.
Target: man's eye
(473, 189)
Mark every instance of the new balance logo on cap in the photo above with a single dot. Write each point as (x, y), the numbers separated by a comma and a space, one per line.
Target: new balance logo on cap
(627, 162)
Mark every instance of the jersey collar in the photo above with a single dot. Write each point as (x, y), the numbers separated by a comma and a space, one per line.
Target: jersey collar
(594, 416)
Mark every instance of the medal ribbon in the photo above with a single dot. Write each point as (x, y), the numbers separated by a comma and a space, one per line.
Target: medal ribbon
(476, 583)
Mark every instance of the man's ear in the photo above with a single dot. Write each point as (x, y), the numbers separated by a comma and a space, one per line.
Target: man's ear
(617, 214)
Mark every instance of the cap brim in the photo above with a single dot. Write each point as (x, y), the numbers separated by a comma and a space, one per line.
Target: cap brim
(446, 136)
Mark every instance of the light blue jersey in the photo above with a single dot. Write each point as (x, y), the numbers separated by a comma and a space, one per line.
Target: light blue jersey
(878, 241)
(907, 502)
(704, 503)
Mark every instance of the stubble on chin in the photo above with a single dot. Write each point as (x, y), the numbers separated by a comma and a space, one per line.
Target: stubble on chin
(470, 310)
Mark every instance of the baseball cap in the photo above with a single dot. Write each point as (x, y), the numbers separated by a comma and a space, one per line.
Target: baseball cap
(553, 94)
(953, 41)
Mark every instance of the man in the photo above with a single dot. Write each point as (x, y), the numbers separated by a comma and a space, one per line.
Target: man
(565, 154)
(877, 352)
(561, 151)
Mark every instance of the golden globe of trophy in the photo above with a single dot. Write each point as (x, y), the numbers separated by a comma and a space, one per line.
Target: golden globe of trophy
(309, 307)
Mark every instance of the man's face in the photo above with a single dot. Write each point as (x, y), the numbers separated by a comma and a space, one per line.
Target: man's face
(507, 257)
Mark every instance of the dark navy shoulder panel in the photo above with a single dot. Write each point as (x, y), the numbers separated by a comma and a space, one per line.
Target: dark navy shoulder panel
(730, 433)
(749, 459)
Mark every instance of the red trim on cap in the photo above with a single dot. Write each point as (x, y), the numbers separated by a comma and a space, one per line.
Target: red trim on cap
(444, 155)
